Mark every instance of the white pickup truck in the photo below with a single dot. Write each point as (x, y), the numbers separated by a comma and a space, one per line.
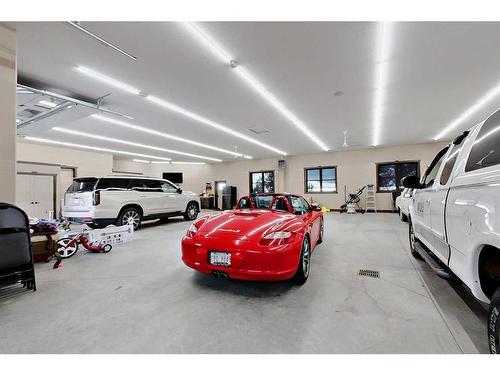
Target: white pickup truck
(455, 216)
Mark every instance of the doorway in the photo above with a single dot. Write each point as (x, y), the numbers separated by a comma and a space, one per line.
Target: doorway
(219, 186)
(35, 194)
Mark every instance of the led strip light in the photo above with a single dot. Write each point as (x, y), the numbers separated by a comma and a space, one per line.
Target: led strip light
(99, 149)
(383, 51)
(128, 143)
(212, 45)
(481, 102)
(172, 107)
(165, 135)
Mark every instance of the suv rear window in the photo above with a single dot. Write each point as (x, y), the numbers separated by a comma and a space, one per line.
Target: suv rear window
(485, 150)
(113, 183)
(80, 185)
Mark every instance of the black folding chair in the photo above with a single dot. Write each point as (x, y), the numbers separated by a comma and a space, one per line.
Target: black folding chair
(16, 256)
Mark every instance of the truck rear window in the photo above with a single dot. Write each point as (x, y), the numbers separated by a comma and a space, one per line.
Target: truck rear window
(485, 150)
(81, 185)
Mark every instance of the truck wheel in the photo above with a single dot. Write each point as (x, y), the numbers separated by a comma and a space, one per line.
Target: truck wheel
(128, 216)
(402, 216)
(494, 323)
(191, 212)
(413, 240)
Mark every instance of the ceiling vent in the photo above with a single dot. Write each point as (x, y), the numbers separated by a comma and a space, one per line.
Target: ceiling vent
(259, 130)
(29, 113)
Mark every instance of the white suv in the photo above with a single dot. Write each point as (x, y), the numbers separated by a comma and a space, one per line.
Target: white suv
(120, 200)
(455, 216)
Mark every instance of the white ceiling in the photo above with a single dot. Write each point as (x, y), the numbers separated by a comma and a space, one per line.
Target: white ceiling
(435, 72)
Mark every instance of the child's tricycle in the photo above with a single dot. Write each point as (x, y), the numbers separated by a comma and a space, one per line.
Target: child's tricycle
(68, 246)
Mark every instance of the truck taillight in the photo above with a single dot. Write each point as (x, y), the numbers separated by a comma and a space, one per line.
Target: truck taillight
(97, 197)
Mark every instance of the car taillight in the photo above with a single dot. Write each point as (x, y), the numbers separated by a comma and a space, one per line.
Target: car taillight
(97, 197)
(276, 238)
(193, 229)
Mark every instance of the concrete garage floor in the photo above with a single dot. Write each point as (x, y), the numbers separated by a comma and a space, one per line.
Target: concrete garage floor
(140, 298)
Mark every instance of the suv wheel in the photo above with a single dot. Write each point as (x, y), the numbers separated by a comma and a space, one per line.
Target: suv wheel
(494, 323)
(191, 212)
(130, 216)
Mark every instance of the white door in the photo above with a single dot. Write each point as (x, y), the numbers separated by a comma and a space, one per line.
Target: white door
(172, 199)
(423, 198)
(438, 204)
(24, 197)
(35, 194)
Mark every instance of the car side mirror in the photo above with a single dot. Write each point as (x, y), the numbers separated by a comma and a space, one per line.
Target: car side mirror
(179, 190)
(316, 207)
(411, 182)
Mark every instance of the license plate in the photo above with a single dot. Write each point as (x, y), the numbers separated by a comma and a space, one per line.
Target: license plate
(220, 259)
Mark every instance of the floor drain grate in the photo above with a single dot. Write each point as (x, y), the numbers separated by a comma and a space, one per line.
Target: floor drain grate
(369, 273)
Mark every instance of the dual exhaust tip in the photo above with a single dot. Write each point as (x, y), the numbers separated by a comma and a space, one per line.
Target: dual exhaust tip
(220, 275)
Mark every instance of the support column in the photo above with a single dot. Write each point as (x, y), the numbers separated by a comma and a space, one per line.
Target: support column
(8, 83)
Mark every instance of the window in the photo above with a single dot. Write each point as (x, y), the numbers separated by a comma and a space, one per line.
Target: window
(432, 170)
(389, 175)
(113, 183)
(485, 150)
(321, 180)
(262, 201)
(448, 166)
(262, 182)
(167, 187)
(280, 204)
(82, 184)
(299, 205)
(146, 185)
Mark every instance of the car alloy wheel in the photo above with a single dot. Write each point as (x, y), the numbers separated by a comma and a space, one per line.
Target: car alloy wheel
(306, 257)
(131, 217)
(191, 211)
(64, 250)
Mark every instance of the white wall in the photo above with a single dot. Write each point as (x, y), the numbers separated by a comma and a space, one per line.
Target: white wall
(8, 81)
(354, 169)
(88, 163)
(194, 176)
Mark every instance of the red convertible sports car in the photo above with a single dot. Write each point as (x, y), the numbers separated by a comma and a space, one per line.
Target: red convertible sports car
(266, 237)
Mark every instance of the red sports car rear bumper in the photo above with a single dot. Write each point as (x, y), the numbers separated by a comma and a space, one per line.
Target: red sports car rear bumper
(249, 261)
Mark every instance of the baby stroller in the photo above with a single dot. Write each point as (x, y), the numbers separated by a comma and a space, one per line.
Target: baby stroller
(353, 198)
(16, 257)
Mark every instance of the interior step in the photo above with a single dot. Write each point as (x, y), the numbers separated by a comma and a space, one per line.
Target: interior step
(431, 262)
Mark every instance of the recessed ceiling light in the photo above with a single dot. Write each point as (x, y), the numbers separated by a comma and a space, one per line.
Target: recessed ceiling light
(480, 103)
(47, 103)
(338, 93)
(85, 147)
(175, 108)
(384, 37)
(161, 134)
(107, 79)
(128, 143)
(212, 45)
(143, 161)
